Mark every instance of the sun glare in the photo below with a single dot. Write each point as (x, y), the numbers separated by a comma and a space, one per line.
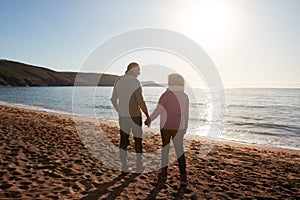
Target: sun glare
(209, 20)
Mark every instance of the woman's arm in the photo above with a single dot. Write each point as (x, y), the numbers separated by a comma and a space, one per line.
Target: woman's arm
(186, 115)
(159, 109)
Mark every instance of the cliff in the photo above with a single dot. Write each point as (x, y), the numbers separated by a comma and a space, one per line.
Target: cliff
(19, 74)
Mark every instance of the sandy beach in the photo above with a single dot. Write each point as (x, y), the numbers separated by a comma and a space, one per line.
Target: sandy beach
(42, 157)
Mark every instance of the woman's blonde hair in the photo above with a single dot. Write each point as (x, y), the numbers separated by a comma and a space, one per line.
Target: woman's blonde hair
(175, 80)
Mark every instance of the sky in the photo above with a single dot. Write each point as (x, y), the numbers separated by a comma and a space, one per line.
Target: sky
(252, 43)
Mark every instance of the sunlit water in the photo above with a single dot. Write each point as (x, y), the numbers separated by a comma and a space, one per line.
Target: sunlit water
(258, 116)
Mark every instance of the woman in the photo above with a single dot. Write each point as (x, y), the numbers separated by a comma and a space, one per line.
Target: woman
(173, 108)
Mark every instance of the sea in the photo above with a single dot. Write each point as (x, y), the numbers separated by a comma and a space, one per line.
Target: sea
(261, 116)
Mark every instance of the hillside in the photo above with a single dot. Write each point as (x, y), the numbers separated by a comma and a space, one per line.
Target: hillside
(151, 84)
(19, 74)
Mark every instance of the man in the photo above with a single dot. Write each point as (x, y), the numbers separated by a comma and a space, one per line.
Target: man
(128, 101)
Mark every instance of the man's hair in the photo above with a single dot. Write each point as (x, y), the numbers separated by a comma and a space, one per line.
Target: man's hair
(132, 65)
(175, 80)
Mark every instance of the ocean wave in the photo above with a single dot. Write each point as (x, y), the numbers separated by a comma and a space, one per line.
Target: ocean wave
(106, 107)
(290, 128)
(243, 106)
(35, 107)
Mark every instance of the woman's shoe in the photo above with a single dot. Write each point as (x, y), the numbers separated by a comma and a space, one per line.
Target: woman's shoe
(184, 181)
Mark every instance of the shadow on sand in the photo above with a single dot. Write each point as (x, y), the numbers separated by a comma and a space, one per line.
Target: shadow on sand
(103, 188)
(159, 186)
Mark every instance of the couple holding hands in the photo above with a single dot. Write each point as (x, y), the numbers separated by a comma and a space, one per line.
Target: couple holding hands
(173, 109)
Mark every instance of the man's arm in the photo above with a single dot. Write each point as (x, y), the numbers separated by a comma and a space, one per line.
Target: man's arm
(140, 101)
(114, 99)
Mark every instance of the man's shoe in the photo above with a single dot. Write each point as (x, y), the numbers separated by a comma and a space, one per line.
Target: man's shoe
(140, 167)
(124, 173)
(162, 175)
(125, 170)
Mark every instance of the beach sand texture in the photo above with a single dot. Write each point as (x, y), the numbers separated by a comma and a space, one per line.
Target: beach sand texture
(42, 157)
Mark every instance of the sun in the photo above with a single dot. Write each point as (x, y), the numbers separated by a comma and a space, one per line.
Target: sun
(206, 20)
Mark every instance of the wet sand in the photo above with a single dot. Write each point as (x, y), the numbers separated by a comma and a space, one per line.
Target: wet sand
(42, 157)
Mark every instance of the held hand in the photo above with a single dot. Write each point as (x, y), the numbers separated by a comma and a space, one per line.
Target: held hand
(148, 121)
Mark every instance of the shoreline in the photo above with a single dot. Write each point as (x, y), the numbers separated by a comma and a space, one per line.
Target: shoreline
(59, 112)
(44, 158)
